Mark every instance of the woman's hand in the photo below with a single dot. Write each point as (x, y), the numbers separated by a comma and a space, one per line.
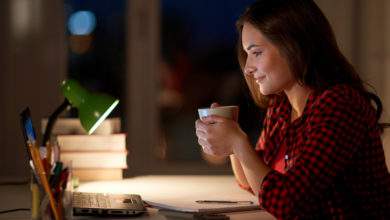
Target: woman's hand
(218, 135)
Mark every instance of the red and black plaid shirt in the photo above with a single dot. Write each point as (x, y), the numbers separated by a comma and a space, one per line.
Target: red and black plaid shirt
(334, 161)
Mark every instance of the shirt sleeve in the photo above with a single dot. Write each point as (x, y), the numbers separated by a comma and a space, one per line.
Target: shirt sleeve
(336, 129)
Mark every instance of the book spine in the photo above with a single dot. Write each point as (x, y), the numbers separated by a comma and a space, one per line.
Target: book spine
(95, 160)
(114, 142)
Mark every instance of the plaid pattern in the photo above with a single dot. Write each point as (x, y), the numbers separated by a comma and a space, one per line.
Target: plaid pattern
(334, 165)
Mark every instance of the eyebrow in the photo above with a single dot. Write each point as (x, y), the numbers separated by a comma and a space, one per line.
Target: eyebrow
(251, 46)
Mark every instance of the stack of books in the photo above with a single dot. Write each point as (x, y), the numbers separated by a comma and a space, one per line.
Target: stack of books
(99, 156)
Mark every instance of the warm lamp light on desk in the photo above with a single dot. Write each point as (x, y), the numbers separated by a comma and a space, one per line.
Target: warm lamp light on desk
(92, 108)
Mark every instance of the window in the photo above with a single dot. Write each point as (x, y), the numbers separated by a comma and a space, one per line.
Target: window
(163, 59)
(95, 31)
(198, 66)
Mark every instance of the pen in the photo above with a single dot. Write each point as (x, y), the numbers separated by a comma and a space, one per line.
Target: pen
(222, 202)
(48, 153)
(55, 178)
(38, 165)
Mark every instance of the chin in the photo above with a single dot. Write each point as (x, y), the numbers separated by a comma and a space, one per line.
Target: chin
(265, 91)
(267, 88)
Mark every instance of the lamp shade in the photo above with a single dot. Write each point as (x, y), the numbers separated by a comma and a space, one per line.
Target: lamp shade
(92, 108)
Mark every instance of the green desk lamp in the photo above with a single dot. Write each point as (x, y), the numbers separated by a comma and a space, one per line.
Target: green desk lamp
(92, 108)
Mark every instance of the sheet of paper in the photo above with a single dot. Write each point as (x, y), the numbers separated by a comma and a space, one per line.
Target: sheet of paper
(180, 193)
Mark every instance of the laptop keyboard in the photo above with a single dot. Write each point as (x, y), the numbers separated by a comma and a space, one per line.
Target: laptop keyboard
(95, 200)
(107, 204)
(91, 200)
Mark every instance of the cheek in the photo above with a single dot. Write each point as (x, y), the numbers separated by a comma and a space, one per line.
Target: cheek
(280, 70)
(281, 78)
(265, 65)
(269, 64)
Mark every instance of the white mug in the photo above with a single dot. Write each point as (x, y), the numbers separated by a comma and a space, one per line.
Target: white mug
(230, 112)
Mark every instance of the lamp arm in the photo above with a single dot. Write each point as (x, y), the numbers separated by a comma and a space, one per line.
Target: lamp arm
(52, 119)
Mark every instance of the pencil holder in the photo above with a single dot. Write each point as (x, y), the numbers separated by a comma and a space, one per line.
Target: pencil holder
(35, 199)
(65, 210)
(61, 193)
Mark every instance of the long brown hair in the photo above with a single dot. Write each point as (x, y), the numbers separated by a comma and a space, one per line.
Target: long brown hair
(305, 38)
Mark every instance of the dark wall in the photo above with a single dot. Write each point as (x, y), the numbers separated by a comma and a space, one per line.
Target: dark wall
(32, 66)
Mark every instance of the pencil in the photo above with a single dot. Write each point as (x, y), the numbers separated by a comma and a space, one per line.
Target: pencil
(42, 176)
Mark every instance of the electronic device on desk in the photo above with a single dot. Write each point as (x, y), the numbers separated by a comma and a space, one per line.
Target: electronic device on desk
(104, 204)
(83, 203)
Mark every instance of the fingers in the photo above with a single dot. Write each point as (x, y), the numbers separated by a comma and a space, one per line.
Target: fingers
(201, 134)
(203, 140)
(214, 104)
(209, 148)
(208, 137)
(206, 147)
(213, 151)
(203, 143)
(212, 119)
(209, 151)
(200, 125)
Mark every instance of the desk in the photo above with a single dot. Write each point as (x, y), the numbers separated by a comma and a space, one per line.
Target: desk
(152, 188)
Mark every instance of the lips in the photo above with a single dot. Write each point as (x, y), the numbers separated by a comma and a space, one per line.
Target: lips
(260, 79)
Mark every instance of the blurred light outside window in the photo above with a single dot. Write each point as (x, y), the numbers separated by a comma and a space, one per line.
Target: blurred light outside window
(82, 23)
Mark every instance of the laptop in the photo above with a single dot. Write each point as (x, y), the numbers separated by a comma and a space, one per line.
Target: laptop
(107, 204)
(98, 204)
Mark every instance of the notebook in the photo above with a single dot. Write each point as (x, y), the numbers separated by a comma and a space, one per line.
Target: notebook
(203, 208)
(100, 204)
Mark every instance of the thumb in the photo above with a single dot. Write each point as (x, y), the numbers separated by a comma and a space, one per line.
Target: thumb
(214, 105)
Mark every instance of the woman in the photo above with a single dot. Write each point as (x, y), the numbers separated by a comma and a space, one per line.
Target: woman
(319, 155)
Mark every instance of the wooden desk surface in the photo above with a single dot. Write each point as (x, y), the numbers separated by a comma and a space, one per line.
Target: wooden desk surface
(153, 188)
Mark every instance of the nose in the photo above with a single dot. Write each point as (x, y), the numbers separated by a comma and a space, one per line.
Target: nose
(249, 70)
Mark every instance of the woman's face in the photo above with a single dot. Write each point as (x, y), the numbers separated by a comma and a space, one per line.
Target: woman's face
(265, 63)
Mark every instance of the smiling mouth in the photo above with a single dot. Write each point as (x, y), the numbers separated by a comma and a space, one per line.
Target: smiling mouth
(260, 79)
